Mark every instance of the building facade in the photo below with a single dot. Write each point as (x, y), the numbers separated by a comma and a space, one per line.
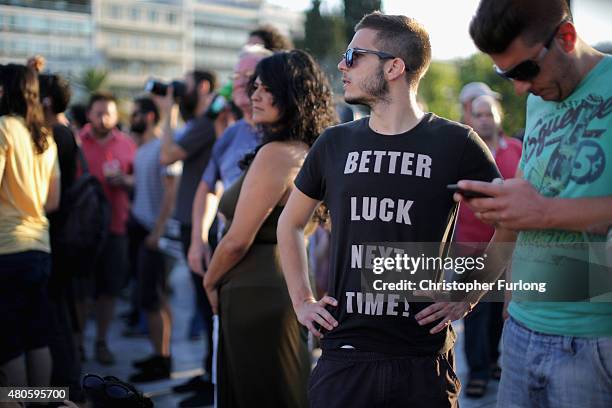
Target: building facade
(134, 40)
(61, 31)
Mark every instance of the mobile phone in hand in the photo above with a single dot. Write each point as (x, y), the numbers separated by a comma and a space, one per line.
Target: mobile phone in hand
(466, 193)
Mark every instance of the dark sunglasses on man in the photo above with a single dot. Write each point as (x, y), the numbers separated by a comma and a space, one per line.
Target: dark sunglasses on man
(349, 55)
(528, 69)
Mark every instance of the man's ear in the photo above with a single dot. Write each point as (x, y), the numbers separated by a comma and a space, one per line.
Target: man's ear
(46, 102)
(395, 69)
(567, 36)
(150, 118)
(204, 88)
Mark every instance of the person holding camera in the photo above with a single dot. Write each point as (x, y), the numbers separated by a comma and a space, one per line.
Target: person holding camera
(192, 144)
(154, 196)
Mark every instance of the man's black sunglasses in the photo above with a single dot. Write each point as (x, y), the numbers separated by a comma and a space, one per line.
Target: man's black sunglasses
(349, 55)
(528, 69)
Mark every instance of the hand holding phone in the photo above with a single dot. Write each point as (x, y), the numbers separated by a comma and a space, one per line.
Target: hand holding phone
(466, 193)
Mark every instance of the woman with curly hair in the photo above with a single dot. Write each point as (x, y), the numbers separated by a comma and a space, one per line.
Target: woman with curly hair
(29, 187)
(263, 354)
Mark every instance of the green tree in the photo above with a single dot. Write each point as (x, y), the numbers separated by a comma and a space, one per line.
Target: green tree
(324, 39)
(93, 79)
(439, 89)
(354, 10)
(316, 33)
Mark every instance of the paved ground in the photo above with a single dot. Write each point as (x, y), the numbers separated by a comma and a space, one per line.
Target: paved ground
(187, 355)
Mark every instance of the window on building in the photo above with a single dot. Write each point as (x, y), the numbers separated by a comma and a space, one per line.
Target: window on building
(171, 18)
(153, 16)
(115, 11)
(135, 14)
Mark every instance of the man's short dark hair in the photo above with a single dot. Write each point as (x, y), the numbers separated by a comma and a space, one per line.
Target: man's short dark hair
(498, 23)
(402, 37)
(100, 96)
(57, 89)
(146, 105)
(200, 75)
(77, 114)
(272, 38)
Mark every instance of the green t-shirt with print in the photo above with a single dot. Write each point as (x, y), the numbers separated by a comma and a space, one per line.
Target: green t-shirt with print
(567, 153)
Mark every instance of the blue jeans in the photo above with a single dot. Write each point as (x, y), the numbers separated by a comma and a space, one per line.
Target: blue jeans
(542, 370)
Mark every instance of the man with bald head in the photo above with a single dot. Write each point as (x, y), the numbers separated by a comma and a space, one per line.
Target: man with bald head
(468, 93)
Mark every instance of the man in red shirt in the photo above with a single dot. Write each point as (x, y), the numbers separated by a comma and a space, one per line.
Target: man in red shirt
(483, 326)
(110, 155)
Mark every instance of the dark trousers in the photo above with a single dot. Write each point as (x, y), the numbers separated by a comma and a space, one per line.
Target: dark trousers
(351, 378)
(150, 269)
(24, 303)
(66, 370)
(483, 328)
(202, 299)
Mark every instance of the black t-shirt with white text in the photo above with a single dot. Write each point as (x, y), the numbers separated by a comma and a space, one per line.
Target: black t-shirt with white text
(388, 188)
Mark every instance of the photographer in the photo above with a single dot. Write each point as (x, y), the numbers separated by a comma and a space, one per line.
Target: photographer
(193, 145)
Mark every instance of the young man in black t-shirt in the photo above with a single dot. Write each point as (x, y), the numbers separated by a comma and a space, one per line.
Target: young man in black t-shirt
(383, 179)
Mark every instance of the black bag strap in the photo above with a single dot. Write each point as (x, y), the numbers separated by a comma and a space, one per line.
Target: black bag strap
(82, 161)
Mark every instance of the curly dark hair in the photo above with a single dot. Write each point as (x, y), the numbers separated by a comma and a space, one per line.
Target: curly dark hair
(20, 97)
(272, 38)
(300, 91)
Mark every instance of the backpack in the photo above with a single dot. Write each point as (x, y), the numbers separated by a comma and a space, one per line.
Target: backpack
(85, 216)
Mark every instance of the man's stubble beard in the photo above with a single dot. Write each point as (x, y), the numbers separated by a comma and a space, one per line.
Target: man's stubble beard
(101, 134)
(375, 88)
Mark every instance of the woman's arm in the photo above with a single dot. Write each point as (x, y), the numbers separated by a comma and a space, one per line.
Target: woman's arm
(270, 175)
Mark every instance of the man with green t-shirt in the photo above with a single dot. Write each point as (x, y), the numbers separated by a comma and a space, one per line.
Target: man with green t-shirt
(556, 351)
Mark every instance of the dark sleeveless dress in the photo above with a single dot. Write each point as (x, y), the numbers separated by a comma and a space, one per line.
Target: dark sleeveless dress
(263, 358)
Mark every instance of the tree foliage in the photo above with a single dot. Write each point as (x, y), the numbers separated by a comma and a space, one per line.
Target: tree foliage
(354, 10)
(93, 79)
(324, 38)
(439, 89)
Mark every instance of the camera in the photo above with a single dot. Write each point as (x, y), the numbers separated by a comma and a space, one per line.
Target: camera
(160, 88)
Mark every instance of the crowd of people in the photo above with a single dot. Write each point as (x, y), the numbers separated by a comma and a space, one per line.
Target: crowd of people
(249, 178)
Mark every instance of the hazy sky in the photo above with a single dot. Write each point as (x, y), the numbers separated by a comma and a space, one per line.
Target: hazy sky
(447, 20)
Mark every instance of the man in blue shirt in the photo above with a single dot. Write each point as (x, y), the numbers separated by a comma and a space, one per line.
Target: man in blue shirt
(229, 149)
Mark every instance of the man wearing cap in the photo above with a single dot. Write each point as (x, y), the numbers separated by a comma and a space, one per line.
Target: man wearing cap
(467, 95)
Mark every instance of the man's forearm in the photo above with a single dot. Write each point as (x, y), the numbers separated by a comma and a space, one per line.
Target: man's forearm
(294, 263)
(169, 122)
(498, 255)
(592, 214)
(167, 138)
(197, 213)
(166, 209)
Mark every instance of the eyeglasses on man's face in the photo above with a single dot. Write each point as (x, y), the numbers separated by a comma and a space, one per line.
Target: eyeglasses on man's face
(528, 69)
(351, 53)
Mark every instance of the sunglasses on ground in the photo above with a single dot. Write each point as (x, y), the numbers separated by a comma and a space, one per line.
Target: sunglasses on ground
(528, 69)
(349, 55)
(109, 386)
